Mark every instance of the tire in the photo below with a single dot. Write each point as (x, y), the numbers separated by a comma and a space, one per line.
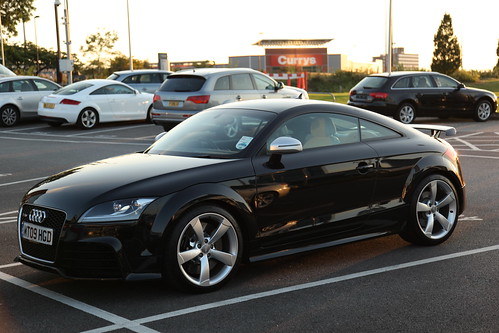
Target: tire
(9, 115)
(433, 212)
(88, 119)
(203, 250)
(406, 113)
(483, 111)
(149, 116)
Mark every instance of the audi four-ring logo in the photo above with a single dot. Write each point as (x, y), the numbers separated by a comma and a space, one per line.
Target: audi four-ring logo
(37, 215)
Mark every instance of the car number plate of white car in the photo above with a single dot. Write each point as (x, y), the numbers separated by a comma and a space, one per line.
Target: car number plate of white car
(37, 234)
(49, 105)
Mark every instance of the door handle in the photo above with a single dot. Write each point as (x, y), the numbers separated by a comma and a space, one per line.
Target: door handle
(264, 96)
(363, 167)
(238, 98)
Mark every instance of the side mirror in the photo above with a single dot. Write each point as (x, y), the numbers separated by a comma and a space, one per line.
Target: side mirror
(159, 136)
(279, 86)
(282, 145)
(460, 86)
(285, 145)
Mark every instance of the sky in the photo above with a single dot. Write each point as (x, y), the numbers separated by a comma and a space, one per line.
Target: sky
(195, 30)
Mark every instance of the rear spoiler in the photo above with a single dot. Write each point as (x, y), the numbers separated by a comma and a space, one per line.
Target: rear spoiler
(435, 130)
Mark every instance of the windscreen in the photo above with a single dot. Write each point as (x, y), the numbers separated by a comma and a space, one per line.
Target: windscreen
(220, 133)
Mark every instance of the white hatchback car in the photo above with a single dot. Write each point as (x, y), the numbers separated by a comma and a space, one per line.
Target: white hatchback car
(19, 97)
(88, 103)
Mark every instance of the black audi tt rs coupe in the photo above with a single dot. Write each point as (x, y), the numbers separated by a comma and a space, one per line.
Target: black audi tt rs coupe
(243, 182)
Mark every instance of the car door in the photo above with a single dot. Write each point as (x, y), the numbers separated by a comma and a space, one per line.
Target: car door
(26, 95)
(430, 98)
(266, 87)
(123, 103)
(455, 97)
(327, 186)
(242, 87)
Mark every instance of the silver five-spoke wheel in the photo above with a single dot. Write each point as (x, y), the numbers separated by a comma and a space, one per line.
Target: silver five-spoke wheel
(406, 113)
(483, 111)
(207, 250)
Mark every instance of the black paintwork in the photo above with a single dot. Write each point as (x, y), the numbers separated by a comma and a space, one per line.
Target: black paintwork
(310, 199)
(432, 100)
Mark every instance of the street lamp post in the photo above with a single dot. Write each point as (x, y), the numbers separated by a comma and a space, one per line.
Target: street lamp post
(129, 38)
(36, 46)
(58, 66)
(68, 41)
(1, 40)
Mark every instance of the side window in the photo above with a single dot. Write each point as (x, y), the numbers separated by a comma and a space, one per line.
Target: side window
(223, 83)
(5, 87)
(45, 85)
(22, 85)
(372, 131)
(445, 82)
(242, 82)
(132, 79)
(422, 81)
(115, 89)
(403, 83)
(263, 82)
(320, 130)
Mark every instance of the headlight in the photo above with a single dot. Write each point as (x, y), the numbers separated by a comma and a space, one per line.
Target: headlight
(118, 210)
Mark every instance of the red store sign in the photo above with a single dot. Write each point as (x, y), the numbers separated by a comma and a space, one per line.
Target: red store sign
(296, 57)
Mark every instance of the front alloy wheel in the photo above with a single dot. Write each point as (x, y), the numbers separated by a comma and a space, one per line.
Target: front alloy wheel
(434, 212)
(406, 113)
(204, 250)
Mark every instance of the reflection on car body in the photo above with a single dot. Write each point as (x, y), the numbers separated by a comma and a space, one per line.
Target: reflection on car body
(235, 183)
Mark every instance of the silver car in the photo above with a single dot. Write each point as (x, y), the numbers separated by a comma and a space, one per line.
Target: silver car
(144, 80)
(19, 97)
(189, 91)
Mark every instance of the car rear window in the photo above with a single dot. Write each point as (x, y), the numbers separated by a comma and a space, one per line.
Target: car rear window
(183, 83)
(73, 88)
(371, 82)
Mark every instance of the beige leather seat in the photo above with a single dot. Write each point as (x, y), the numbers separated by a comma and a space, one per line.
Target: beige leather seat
(321, 134)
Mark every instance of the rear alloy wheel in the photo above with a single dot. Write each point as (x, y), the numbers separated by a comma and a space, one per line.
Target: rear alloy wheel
(433, 212)
(88, 119)
(406, 113)
(9, 115)
(203, 250)
(483, 111)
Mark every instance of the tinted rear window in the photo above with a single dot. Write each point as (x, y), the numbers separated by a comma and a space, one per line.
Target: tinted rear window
(371, 82)
(183, 83)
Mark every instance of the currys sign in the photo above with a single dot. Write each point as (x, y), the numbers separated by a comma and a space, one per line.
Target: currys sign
(296, 57)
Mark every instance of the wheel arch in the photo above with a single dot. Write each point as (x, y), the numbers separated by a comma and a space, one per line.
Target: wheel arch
(174, 206)
(432, 165)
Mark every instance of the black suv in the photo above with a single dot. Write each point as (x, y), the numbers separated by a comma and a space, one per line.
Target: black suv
(405, 95)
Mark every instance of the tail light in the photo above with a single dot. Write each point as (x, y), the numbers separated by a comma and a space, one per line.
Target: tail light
(156, 98)
(203, 99)
(379, 95)
(353, 92)
(68, 101)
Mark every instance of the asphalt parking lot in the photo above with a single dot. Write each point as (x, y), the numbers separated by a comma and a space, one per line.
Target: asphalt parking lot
(378, 285)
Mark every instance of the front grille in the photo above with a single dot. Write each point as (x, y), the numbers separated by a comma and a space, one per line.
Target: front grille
(53, 219)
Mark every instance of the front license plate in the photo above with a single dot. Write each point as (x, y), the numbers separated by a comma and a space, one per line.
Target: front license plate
(48, 105)
(37, 234)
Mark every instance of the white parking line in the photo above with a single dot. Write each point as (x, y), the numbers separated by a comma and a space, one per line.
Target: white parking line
(74, 141)
(117, 320)
(136, 325)
(92, 133)
(22, 181)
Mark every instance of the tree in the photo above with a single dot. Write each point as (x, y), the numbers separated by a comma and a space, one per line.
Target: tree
(99, 45)
(496, 68)
(447, 53)
(14, 12)
(121, 62)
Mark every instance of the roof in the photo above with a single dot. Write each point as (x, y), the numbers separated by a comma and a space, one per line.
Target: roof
(292, 42)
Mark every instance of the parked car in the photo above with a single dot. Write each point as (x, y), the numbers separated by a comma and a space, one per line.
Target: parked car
(406, 95)
(243, 182)
(189, 91)
(145, 80)
(88, 103)
(19, 97)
